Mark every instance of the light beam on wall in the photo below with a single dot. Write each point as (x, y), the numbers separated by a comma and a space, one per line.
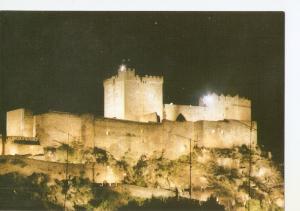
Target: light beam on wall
(208, 100)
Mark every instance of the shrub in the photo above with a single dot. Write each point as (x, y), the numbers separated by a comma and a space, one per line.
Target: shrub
(180, 204)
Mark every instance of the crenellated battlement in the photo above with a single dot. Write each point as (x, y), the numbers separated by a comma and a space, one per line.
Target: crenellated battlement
(214, 99)
(152, 79)
(129, 74)
(235, 100)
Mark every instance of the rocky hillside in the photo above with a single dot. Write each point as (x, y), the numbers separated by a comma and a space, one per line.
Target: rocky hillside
(222, 174)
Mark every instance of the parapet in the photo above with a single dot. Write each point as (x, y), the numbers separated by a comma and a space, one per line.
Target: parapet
(129, 74)
(222, 99)
(151, 79)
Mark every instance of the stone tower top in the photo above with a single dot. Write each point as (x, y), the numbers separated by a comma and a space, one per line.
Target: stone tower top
(125, 73)
(133, 97)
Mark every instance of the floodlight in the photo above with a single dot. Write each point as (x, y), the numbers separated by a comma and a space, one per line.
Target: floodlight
(208, 100)
(122, 67)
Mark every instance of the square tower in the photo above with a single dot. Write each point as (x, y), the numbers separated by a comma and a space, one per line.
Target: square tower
(131, 97)
(20, 122)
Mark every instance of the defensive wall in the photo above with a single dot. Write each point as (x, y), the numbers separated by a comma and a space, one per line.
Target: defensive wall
(20, 122)
(211, 108)
(121, 137)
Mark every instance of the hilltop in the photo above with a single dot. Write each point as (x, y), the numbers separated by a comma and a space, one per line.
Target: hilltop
(222, 174)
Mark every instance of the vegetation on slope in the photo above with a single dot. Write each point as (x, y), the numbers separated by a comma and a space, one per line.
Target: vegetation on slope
(219, 173)
(25, 193)
(36, 192)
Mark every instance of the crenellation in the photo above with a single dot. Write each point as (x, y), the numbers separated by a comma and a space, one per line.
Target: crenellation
(129, 74)
(237, 100)
(152, 79)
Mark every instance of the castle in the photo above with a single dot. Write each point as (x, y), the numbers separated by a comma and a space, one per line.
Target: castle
(136, 122)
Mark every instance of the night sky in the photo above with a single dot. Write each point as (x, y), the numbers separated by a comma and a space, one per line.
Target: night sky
(58, 60)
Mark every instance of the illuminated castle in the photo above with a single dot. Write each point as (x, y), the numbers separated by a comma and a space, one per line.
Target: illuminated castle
(136, 122)
(131, 97)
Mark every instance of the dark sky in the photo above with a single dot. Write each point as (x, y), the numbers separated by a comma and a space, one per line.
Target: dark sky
(58, 60)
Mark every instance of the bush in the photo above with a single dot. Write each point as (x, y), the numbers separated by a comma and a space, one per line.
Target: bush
(180, 204)
(27, 193)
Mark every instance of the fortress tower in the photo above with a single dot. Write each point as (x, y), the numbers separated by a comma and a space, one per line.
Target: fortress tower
(131, 97)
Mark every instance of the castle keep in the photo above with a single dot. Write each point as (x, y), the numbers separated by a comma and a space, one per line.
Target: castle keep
(129, 96)
(136, 122)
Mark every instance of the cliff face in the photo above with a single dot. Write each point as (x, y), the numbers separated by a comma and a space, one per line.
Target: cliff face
(219, 173)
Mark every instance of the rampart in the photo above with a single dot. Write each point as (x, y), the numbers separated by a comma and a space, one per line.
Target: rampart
(212, 108)
(121, 137)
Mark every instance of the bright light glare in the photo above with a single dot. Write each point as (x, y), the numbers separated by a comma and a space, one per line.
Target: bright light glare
(123, 67)
(208, 100)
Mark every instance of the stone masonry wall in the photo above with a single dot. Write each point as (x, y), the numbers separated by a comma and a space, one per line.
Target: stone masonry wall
(121, 137)
(114, 98)
(220, 108)
(20, 123)
(226, 134)
(129, 96)
(54, 128)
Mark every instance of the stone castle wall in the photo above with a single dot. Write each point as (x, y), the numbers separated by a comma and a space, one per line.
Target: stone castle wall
(136, 139)
(121, 137)
(114, 99)
(54, 128)
(129, 96)
(220, 108)
(20, 122)
(226, 134)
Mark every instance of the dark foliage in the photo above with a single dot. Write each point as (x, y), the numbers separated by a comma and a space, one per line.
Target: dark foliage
(103, 194)
(101, 155)
(24, 193)
(175, 204)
